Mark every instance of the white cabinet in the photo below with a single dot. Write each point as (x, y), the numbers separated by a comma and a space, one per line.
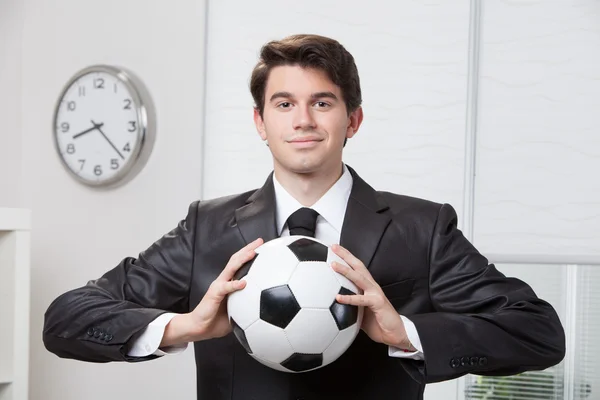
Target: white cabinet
(15, 225)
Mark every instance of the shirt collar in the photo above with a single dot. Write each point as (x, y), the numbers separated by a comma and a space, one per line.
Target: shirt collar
(331, 206)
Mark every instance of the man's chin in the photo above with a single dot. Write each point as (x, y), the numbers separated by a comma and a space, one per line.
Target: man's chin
(306, 170)
(304, 167)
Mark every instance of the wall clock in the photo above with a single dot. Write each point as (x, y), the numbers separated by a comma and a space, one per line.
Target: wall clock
(104, 126)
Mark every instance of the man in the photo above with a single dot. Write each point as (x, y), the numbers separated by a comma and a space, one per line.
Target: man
(435, 309)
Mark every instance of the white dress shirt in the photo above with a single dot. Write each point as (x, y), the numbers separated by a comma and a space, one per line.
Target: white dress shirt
(332, 209)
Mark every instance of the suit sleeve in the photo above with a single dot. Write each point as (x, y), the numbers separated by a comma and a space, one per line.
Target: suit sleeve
(99, 321)
(485, 323)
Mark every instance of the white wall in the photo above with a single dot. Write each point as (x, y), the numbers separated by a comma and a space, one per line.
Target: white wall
(11, 30)
(536, 141)
(79, 233)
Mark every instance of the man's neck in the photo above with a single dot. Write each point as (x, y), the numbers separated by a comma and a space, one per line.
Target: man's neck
(310, 187)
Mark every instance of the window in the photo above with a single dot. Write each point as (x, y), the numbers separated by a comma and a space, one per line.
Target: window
(570, 290)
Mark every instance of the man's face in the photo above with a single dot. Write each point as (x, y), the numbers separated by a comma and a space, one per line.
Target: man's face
(305, 120)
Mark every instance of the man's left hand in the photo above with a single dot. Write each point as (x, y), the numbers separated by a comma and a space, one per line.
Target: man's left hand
(380, 322)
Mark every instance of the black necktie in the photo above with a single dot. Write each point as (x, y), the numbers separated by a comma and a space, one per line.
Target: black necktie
(303, 222)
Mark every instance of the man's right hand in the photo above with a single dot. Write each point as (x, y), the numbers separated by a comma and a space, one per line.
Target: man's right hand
(209, 318)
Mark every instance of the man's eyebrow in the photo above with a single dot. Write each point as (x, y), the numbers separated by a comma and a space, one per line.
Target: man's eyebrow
(321, 95)
(284, 95)
(314, 96)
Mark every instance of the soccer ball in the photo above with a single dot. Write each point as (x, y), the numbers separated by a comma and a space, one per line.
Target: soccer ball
(287, 317)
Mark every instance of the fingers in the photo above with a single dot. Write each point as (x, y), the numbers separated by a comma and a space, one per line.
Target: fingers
(354, 262)
(238, 259)
(221, 289)
(373, 301)
(354, 300)
(356, 277)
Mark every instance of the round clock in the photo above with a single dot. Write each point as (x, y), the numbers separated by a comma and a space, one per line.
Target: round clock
(104, 126)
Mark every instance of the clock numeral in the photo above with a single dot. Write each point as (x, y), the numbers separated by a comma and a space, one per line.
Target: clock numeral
(99, 83)
(98, 170)
(64, 127)
(71, 148)
(81, 91)
(115, 86)
(114, 163)
(71, 106)
(82, 164)
(132, 126)
(127, 104)
(126, 148)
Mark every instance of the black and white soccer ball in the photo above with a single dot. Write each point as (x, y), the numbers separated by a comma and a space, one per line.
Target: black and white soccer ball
(287, 317)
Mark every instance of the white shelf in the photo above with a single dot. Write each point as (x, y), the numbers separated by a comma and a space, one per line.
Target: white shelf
(15, 225)
(15, 219)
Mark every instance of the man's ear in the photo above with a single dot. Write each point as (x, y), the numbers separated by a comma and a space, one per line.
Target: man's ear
(354, 121)
(260, 124)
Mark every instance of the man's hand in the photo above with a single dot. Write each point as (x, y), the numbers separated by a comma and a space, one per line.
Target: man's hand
(209, 318)
(380, 322)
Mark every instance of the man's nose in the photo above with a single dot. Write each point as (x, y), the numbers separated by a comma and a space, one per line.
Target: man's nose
(304, 119)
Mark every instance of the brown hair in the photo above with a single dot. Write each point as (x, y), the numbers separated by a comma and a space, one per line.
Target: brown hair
(308, 51)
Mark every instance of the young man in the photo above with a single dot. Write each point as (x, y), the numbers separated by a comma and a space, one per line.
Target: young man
(435, 308)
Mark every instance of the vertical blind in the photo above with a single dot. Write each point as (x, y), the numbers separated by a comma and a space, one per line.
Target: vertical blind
(586, 371)
(573, 292)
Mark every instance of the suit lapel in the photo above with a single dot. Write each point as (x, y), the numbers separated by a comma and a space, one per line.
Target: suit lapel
(257, 217)
(364, 222)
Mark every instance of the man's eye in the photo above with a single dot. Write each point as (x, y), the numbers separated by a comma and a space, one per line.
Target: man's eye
(285, 105)
(321, 104)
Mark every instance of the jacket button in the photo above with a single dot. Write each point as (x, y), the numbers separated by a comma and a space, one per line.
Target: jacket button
(90, 332)
(482, 361)
(96, 333)
(454, 363)
(108, 337)
(473, 361)
(464, 361)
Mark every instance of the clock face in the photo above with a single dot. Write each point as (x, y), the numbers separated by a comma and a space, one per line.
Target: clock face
(99, 127)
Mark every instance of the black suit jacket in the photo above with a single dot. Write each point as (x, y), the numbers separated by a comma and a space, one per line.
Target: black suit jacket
(470, 317)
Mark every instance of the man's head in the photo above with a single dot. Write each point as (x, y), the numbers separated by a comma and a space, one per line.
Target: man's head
(309, 52)
(307, 98)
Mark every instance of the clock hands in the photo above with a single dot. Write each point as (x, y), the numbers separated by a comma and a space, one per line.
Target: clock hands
(98, 126)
